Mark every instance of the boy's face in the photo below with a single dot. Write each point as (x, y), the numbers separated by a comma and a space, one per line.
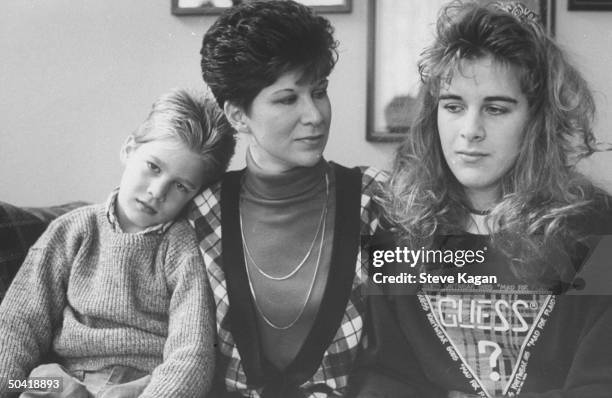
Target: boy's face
(160, 177)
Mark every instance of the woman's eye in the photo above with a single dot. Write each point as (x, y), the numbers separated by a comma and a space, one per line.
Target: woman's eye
(153, 167)
(288, 100)
(321, 93)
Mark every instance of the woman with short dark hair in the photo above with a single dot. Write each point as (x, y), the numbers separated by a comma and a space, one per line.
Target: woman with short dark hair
(281, 237)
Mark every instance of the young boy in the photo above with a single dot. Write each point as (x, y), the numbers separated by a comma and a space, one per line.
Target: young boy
(117, 293)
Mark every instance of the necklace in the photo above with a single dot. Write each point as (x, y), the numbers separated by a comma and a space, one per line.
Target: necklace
(247, 257)
(310, 288)
(308, 253)
(479, 212)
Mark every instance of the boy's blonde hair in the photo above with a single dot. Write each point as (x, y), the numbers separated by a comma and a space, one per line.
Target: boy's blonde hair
(194, 119)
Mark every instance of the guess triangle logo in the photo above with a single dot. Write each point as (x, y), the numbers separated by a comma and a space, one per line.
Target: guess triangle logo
(489, 334)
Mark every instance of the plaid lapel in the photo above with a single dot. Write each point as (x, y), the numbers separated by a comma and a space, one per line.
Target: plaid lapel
(331, 375)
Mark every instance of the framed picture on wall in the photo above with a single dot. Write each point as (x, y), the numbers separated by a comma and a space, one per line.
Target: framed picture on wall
(593, 5)
(203, 7)
(393, 51)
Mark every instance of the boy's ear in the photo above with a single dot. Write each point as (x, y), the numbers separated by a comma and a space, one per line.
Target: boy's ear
(236, 116)
(128, 147)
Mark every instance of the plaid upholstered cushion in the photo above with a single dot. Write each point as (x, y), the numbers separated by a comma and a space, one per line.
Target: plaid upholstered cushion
(19, 229)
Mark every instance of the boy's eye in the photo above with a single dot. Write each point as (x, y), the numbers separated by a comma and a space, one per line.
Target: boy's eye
(181, 187)
(153, 167)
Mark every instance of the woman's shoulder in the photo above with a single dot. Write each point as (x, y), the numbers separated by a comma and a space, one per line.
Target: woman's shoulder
(205, 201)
(372, 178)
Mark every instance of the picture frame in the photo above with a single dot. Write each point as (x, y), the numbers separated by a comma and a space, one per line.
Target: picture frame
(393, 51)
(213, 7)
(589, 5)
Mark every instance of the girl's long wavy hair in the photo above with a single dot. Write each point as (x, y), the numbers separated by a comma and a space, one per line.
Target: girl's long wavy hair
(543, 189)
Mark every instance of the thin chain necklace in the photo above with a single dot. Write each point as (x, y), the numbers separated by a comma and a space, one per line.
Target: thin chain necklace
(310, 288)
(314, 276)
(479, 212)
(306, 256)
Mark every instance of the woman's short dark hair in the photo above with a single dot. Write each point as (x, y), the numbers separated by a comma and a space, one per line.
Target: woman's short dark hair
(251, 45)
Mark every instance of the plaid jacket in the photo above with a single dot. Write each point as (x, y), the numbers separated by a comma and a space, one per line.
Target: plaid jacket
(324, 369)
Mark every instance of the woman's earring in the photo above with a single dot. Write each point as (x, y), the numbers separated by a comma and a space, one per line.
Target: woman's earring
(241, 127)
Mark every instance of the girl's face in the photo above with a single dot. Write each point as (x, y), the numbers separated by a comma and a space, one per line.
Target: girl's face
(289, 123)
(482, 114)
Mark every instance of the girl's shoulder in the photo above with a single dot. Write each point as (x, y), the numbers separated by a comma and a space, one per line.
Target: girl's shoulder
(595, 219)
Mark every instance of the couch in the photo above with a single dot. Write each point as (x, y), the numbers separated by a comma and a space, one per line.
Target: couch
(20, 227)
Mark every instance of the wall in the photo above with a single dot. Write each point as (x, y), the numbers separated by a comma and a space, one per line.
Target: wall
(77, 76)
(587, 37)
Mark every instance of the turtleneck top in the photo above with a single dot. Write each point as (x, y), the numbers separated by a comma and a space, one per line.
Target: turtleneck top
(286, 218)
(328, 354)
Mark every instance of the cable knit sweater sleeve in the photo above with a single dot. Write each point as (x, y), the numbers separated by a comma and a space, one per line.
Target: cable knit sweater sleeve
(33, 305)
(188, 363)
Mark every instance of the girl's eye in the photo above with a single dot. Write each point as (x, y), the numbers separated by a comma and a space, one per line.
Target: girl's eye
(453, 108)
(496, 110)
(153, 167)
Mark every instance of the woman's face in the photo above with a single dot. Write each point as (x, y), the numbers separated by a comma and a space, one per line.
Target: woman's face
(289, 123)
(482, 114)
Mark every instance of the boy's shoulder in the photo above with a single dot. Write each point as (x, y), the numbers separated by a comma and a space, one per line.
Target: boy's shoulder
(181, 236)
(180, 229)
(179, 246)
(78, 215)
(71, 225)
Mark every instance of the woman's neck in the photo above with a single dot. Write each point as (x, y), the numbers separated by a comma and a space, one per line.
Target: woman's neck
(483, 199)
(477, 224)
(291, 184)
(263, 162)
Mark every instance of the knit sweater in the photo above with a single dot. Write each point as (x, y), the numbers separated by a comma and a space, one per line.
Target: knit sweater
(97, 297)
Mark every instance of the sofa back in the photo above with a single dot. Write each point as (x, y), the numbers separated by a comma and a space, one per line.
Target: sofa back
(19, 229)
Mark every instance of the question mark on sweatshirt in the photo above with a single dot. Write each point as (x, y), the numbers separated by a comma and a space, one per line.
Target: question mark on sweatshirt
(482, 349)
